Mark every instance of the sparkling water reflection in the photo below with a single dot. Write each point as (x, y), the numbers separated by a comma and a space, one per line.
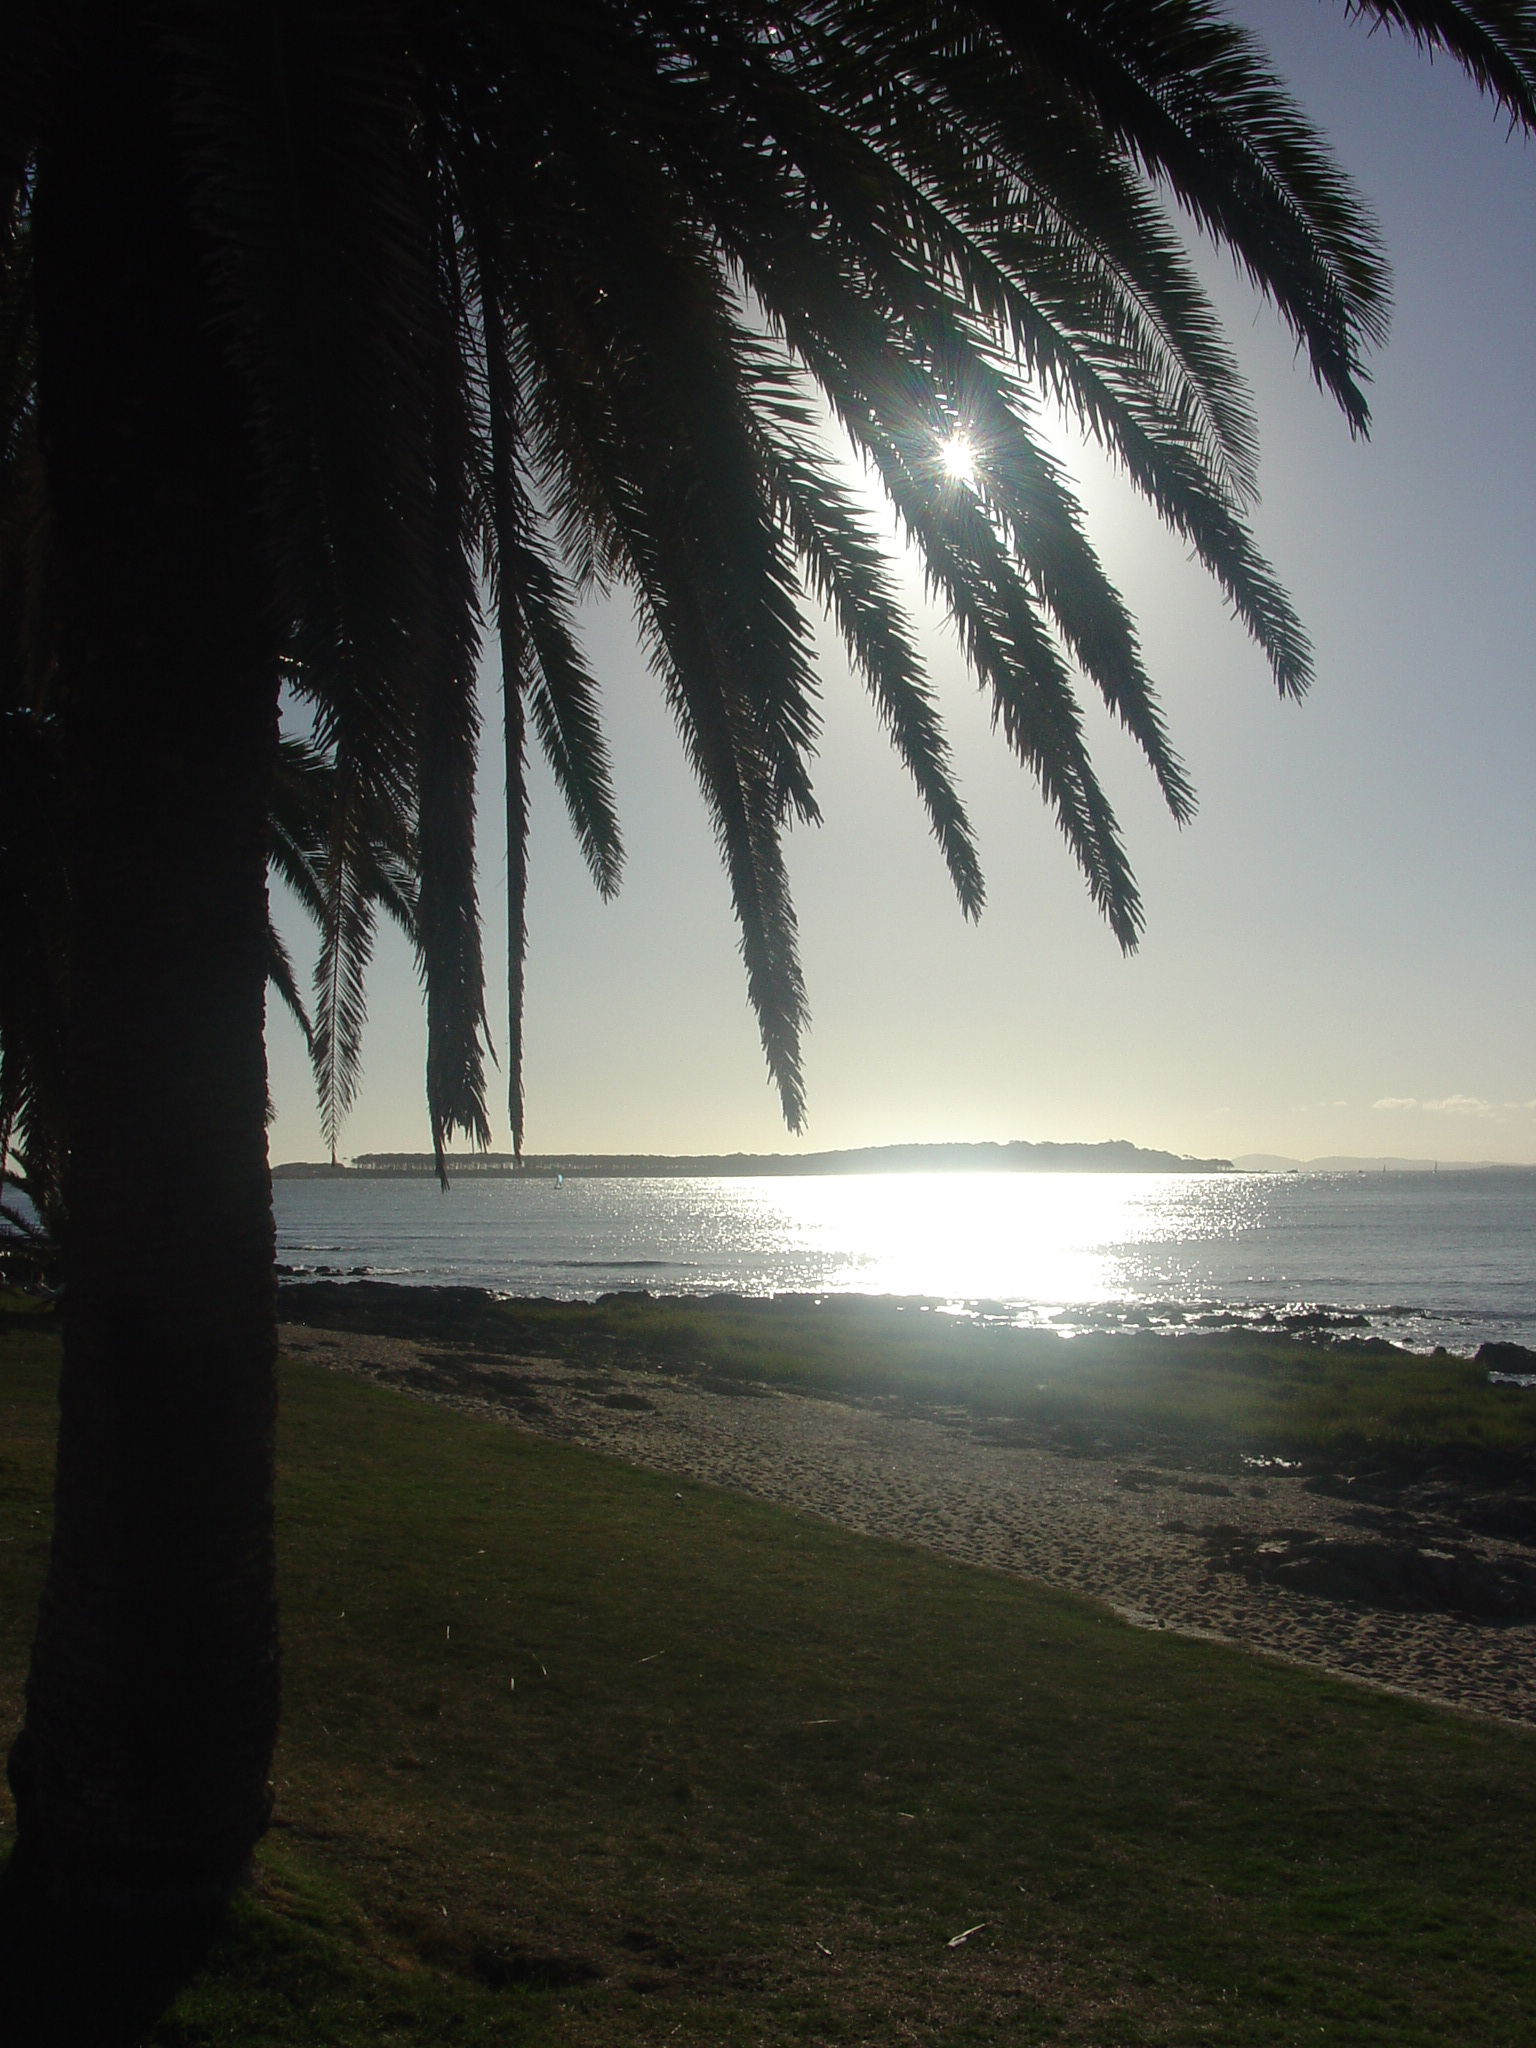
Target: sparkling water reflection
(1422, 1257)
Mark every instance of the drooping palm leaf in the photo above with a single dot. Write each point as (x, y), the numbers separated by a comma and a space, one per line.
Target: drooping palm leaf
(542, 671)
(1492, 40)
(341, 860)
(848, 570)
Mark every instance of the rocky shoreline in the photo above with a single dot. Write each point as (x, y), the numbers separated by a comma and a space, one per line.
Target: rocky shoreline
(1424, 1584)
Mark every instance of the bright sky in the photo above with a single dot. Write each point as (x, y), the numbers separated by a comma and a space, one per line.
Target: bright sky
(1340, 953)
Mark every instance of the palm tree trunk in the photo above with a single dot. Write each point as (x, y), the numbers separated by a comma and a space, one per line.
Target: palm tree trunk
(141, 1775)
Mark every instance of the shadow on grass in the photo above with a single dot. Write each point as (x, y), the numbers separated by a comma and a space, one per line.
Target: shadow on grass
(575, 1753)
(244, 1974)
(72, 1977)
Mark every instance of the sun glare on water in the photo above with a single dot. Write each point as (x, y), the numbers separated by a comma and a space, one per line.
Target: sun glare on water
(1050, 1238)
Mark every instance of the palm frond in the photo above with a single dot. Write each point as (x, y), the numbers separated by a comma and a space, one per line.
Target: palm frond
(341, 334)
(1188, 95)
(347, 920)
(505, 529)
(280, 975)
(529, 589)
(447, 732)
(849, 570)
(663, 436)
(1493, 40)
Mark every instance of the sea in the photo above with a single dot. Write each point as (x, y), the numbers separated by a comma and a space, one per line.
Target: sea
(1423, 1259)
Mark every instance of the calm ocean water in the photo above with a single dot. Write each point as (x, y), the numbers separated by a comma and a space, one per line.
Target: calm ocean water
(1421, 1258)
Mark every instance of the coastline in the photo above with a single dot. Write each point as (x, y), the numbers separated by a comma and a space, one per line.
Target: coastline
(1153, 1537)
(1422, 1261)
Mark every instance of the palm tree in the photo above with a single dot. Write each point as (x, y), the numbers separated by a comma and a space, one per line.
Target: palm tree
(34, 914)
(343, 900)
(354, 317)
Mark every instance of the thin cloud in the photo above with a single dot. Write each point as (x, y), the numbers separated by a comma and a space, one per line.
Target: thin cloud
(1452, 1105)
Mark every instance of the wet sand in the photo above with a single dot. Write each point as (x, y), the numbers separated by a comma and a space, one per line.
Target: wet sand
(1124, 1532)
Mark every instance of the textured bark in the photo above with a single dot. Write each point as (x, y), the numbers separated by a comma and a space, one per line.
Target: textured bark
(141, 1773)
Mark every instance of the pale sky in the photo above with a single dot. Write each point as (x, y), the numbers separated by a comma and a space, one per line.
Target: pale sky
(1340, 954)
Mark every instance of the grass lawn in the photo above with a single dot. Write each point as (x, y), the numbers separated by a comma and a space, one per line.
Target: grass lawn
(1213, 1393)
(580, 1755)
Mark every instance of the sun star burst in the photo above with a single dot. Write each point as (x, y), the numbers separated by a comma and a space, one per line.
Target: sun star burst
(958, 457)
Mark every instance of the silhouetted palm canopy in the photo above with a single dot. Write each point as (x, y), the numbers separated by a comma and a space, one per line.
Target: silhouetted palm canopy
(332, 332)
(530, 301)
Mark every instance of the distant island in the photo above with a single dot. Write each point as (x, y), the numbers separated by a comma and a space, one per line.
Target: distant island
(1274, 1162)
(1115, 1156)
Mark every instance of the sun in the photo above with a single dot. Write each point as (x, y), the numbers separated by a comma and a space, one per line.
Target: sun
(957, 456)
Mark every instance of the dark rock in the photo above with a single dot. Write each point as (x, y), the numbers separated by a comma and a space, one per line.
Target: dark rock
(1478, 1493)
(1408, 1577)
(1510, 1516)
(1516, 1358)
(387, 1307)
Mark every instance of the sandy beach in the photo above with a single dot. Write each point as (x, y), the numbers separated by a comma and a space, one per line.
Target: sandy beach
(1134, 1535)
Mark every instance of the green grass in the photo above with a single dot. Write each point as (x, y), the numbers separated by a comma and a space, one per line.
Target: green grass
(580, 1755)
(1246, 1392)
